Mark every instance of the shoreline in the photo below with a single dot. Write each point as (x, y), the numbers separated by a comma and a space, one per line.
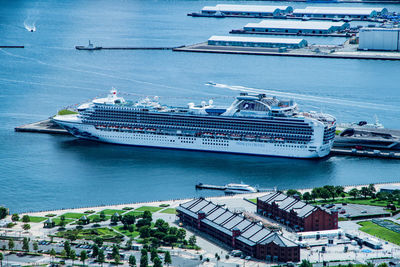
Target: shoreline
(175, 202)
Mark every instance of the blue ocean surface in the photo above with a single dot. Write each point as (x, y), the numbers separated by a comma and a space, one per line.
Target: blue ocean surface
(41, 172)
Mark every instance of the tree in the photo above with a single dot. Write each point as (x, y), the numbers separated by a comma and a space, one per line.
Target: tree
(115, 219)
(167, 259)
(157, 262)
(305, 263)
(315, 193)
(292, 192)
(132, 260)
(62, 220)
(1, 259)
(99, 241)
(15, 217)
(144, 261)
(339, 190)
(95, 251)
(63, 253)
(25, 244)
(153, 254)
(26, 218)
(115, 251)
(372, 188)
(181, 234)
(100, 257)
(26, 226)
(354, 193)
(332, 191)
(383, 265)
(307, 196)
(35, 246)
(3, 212)
(144, 231)
(128, 219)
(102, 216)
(67, 247)
(192, 240)
(11, 244)
(83, 257)
(52, 254)
(159, 223)
(324, 193)
(72, 256)
(364, 191)
(147, 215)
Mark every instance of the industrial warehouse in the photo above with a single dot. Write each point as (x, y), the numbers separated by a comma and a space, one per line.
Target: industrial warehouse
(380, 39)
(361, 13)
(246, 10)
(296, 27)
(296, 214)
(256, 42)
(236, 231)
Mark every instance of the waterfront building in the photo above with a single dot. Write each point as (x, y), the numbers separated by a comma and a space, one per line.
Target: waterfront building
(49, 223)
(234, 230)
(253, 124)
(293, 212)
(340, 12)
(246, 10)
(379, 39)
(298, 27)
(257, 42)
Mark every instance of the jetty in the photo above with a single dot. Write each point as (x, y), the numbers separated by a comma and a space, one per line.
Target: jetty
(45, 126)
(79, 47)
(12, 46)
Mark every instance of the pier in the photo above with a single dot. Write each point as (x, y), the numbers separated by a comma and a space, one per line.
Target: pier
(365, 153)
(45, 126)
(12, 46)
(293, 33)
(79, 47)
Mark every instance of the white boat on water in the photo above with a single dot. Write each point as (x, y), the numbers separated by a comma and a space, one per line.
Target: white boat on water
(239, 189)
(361, 125)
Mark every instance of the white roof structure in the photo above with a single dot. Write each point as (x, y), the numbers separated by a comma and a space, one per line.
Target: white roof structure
(247, 8)
(255, 39)
(370, 9)
(291, 24)
(336, 11)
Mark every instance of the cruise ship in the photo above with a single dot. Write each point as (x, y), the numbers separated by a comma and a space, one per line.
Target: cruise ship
(253, 124)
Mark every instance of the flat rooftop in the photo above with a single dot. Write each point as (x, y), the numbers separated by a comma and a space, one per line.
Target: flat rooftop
(292, 24)
(246, 8)
(255, 39)
(339, 11)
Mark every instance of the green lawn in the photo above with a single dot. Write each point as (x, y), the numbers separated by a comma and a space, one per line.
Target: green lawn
(361, 201)
(126, 232)
(169, 211)
(73, 215)
(254, 200)
(380, 232)
(149, 208)
(97, 216)
(36, 219)
(58, 220)
(107, 234)
(136, 213)
(111, 211)
(66, 112)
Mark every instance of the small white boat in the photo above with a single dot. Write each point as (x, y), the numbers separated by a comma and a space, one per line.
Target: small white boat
(239, 189)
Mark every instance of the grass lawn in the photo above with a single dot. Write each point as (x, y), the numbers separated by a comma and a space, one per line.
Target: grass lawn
(254, 200)
(169, 211)
(136, 213)
(35, 219)
(72, 215)
(361, 201)
(97, 216)
(111, 211)
(120, 229)
(149, 208)
(107, 234)
(380, 232)
(58, 220)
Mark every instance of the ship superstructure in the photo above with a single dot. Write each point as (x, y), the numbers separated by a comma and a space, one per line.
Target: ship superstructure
(252, 124)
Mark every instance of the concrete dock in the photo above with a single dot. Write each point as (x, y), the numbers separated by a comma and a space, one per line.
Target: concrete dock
(12, 46)
(45, 126)
(339, 53)
(293, 33)
(79, 47)
(364, 153)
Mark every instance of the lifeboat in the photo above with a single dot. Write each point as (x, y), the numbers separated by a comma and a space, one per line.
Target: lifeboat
(151, 130)
(235, 136)
(250, 137)
(264, 138)
(208, 135)
(138, 129)
(220, 135)
(278, 139)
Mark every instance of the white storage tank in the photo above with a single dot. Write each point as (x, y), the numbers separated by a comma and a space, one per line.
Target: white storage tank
(382, 39)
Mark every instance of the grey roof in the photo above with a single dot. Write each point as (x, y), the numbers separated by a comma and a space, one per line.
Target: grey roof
(256, 39)
(288, 204)
(279, 240)
(225, 221)
(291, 24)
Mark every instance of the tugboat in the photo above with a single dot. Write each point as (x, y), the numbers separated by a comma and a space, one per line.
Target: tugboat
(89, 47)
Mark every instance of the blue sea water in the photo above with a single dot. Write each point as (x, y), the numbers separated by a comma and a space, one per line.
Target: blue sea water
(39, 171)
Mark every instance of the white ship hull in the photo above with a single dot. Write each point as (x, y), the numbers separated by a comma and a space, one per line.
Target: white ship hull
(272, 148)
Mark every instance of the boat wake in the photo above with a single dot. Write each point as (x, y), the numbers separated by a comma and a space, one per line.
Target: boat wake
(297, 96)
(29, 27)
